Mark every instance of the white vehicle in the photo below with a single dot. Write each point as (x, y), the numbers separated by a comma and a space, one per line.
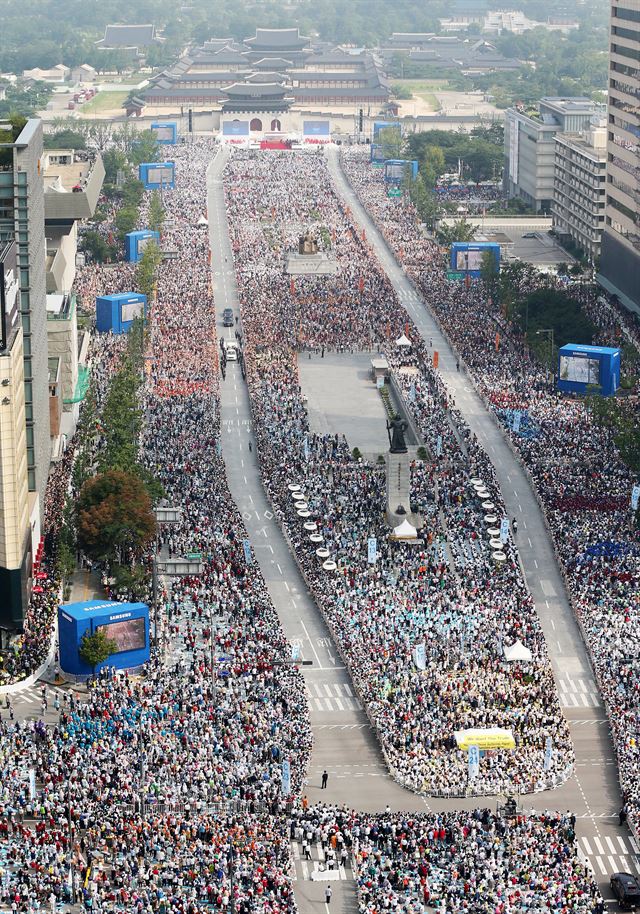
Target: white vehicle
(231, 350)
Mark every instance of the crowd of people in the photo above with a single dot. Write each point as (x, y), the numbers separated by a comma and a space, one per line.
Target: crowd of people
(476, 861)
(447, 596)
(583, 485)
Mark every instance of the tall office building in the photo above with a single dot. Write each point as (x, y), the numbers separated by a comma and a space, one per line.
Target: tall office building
(15, 539)
(22, 219)
(620, 258)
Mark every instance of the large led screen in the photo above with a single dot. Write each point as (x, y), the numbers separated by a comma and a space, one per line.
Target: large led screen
(129, 635)
(579, 370)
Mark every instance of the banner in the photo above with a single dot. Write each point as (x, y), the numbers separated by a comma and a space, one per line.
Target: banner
(32, 783)
(504, 529)
(517, 417)
(246, 545)
(306, 448)
(372, 550)
(548, 753)
(412, 392)
(635, 498)
(439, 446)
(436, 358)
(286, 778)
(474, 762)
(420, 656)
(489, 738)
(296, 651)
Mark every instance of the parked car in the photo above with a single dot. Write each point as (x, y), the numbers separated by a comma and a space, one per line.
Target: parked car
(227, 317)
(626, 889)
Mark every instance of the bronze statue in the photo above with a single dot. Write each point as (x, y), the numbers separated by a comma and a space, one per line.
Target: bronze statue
(395, 430)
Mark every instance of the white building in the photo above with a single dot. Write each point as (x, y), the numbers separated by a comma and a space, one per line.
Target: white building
(579, 187)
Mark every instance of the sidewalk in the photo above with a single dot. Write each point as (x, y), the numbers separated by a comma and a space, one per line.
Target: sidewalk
(86, 585)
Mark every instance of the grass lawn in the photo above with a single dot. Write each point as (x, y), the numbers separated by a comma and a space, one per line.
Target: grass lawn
(103, 101)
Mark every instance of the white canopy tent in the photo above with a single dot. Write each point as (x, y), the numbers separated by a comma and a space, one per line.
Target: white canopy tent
(403, 341)
(517, 651)
(405, 530)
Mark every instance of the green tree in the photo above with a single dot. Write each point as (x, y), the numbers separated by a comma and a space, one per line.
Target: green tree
(156, 212)
(390, 138)
(621, 420)
(96, 246)
(459, 231)
(489, 272)
(114, 514)
(125, 221)
(147, 269)
(144, 148)
(96, 647)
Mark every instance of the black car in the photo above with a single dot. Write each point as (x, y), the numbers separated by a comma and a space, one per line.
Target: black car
(626, 888)
(227, 317)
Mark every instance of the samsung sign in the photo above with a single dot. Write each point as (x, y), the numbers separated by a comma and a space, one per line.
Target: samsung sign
(9, 293)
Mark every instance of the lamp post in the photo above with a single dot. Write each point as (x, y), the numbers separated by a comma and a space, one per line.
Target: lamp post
(549, 333)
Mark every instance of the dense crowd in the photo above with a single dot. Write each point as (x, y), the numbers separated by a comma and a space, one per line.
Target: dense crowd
(447, 595)
(583, 486)
(473, 862)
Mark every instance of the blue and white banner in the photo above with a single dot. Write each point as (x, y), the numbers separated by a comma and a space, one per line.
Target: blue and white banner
(548, 753)
(635, 498)
(286, 778)
(439, 446)
(420, 656)
(372, 550)
(306, 447)
(296, 651)
(474, 762)
(517, 418)
(504, 529)
(246, 545)
(412, 392)
(32, 783)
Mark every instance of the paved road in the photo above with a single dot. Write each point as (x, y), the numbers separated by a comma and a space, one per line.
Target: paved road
(344, 744)
(593, 794)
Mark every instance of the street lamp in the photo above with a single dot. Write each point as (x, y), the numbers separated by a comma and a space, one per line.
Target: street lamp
(549, 333)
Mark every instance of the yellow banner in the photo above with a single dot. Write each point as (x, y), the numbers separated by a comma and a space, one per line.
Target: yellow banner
(491, 738)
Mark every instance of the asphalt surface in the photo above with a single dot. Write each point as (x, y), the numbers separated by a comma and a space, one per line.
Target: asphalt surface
(344, 743)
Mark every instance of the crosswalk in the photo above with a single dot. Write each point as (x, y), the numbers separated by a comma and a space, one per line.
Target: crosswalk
(578, 693)
(33, 695)
(332, 697)
(611, 854)
(318, 868)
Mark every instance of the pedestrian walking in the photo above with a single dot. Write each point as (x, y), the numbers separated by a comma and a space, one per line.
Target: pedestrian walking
(514, 526)
(250, 446)
(325, 778)
(328, 892)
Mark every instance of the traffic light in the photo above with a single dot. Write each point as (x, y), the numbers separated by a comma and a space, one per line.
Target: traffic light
(360, 121)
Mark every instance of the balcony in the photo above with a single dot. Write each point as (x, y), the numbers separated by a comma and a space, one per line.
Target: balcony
(72, 189)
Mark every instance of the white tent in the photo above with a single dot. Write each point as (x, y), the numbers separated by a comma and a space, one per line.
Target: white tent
(203, 221)
(405, 530)
(403, 341)
(517, 651)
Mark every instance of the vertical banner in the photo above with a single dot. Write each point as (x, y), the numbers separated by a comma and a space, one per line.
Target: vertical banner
(504, 529)
(412, 392)
(372, 550)
(436, 358)
(517, 418)
(246, 545)
(474, 762)
(296, 651)
(420, 656)
(439, 446)
(32, 783)
(292, 286)
(286, 778)
(306, 448)
(548, 753)
(497, 342)
(635, 498)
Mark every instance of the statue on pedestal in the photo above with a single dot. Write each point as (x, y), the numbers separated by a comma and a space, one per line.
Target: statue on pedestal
(395, 430)
(307, 244)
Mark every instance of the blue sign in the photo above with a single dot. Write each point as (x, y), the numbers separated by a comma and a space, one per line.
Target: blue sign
(315, 128)
(517, 419)
(439, 446)
(548, 753)
(306, 448)
(581, 368)
(296, 651)
(412, 392)
(126, 624)
(235, 128)
(246, 545)
(420, 656)
(474, 762)
(286, 778)
(504, 529)
(635, 498)
(372, 550)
